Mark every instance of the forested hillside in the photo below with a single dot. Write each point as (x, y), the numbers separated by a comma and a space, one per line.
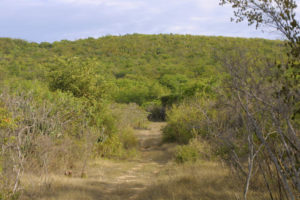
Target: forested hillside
(70, 102)
(132, 68)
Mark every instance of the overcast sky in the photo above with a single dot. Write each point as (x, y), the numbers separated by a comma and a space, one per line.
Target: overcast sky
(54, 20)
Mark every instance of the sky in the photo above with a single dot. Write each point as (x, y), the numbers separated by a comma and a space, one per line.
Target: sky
(55, 20)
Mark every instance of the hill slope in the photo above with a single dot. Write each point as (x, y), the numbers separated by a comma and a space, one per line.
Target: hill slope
(136, 68)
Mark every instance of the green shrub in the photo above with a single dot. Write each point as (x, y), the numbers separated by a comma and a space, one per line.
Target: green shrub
(117, 146)
(188, 120)
(74, 75)
(177, 132)
(195, 150)
(171, 99)
(8, 195)
(174, 82)
(133, 89)
(186, 153)
(110, 147)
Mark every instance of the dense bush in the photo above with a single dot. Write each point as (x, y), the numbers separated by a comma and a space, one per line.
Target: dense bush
(117, 146)
(196, 149)
(75, 76)
(138, 91)
(174, 82)
(186, 121)
(109, 147)
(186, 153)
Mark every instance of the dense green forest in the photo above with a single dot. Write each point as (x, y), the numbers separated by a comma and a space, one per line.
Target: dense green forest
(62, 100)
(152, 71)
(133, 68)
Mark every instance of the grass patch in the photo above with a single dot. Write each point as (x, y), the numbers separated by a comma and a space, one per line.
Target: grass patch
(205, 180)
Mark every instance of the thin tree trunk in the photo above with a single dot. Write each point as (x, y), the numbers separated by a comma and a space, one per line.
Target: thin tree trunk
(250, 167)
(266, 181)
(260, 136)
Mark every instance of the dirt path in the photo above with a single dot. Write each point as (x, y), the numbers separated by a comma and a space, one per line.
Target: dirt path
(116, 180)
(153, 157)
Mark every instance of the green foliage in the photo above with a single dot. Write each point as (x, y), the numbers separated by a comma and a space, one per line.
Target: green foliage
(85, 97)
(186, 121)
(178, 132)
(61, 107)
(8, 195)
(172, 99)
(110, 147)
(131, 68)
(174, 82)
(186, 153)
(196, 149)
(5, 118)
(138, 91)
(75, 76)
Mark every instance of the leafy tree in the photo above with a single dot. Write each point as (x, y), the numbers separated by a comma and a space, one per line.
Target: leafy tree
(281, 15)
(277, 99)
(174, 82)
(75, 76)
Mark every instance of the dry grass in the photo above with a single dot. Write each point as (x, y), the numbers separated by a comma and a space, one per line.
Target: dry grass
(205, 180)
(154, 176)
(103, 182)
(113, 180)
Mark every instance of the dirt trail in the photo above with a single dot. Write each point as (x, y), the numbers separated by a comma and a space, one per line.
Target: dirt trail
(153, 157)
(116, 180)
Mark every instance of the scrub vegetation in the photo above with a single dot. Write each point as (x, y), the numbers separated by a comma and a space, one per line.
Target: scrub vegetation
(154, 116)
